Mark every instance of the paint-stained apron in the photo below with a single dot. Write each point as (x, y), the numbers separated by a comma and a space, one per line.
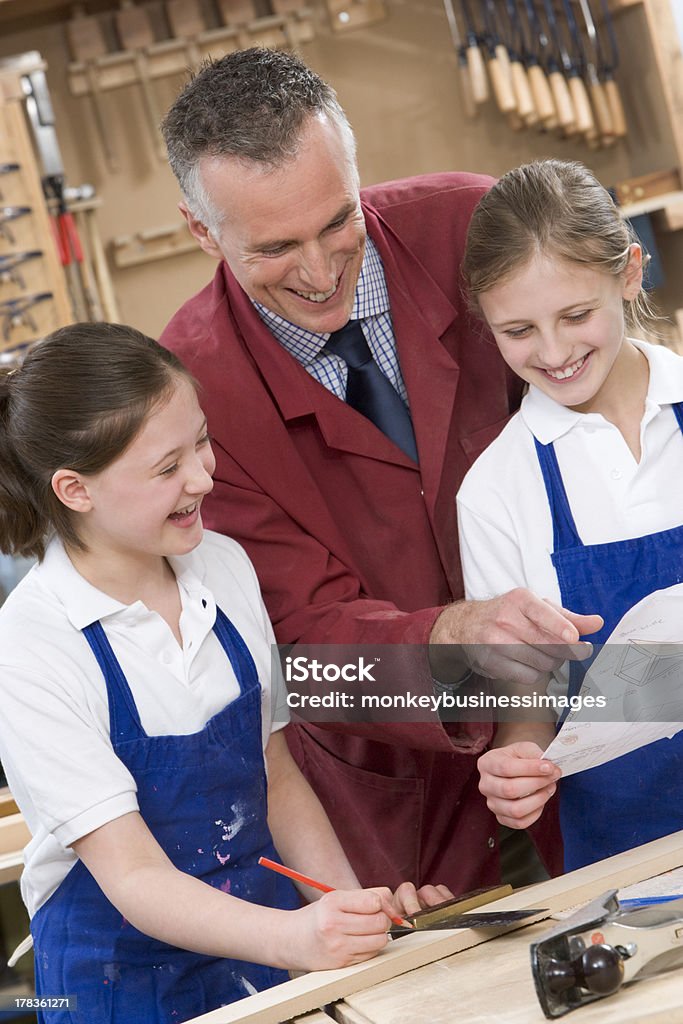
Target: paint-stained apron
(638, 797)
(203, 797)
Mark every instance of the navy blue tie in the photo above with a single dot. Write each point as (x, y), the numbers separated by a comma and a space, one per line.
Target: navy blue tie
(369, 391)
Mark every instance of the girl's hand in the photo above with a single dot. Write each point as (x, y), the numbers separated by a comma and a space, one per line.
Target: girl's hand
(408, 900)
(517, 782)
(340, 929)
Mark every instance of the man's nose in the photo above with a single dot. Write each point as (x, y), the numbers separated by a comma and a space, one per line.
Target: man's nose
(316, 268)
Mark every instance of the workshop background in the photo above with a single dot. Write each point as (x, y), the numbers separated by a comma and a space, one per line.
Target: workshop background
(88, 221)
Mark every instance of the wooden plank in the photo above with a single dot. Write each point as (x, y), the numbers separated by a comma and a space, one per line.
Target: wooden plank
(7, 803)
(345, 1014)
(413, 951)
(11, 866)
(494, 983)
(671, 217)
(14, 833)
(317, 1017)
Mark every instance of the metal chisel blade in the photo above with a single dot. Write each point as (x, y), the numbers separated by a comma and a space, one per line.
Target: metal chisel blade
(481, 919)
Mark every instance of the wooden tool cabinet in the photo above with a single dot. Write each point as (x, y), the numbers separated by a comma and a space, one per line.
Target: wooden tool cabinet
(468, 977)
(22, 321)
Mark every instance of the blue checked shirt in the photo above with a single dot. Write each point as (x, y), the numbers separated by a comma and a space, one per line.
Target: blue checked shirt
(371, 307)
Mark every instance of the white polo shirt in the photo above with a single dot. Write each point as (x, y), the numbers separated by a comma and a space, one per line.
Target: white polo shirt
(54, 718)
(506, 536)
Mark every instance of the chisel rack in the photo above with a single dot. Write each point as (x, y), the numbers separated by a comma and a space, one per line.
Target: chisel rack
(141, 59)
(33, 292)
(549, 65)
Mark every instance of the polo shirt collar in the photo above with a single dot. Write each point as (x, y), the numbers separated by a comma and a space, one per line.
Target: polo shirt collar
(84, 604)
(548, 421)
(371, 299)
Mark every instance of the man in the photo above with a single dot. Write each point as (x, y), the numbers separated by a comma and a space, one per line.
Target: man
(353, 534)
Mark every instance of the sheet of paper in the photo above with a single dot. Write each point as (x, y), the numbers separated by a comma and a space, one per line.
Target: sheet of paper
(639, 673)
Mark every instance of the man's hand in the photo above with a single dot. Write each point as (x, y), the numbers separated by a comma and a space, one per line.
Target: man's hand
(517, 782)
(516, 637)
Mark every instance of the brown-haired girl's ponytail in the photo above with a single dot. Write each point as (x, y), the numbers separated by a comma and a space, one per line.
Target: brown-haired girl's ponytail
(23, 527)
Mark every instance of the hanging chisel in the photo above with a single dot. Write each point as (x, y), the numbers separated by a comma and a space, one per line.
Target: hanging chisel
(577, 88)
(592, 58)
(11, 261)
(540, 90)
(10, 213)
(559, 61)
(468, 104)
(498, 61)
(16, 312)
(87, 46)
(520, 82)
(608, 70)
(475, 61)
(137, 35)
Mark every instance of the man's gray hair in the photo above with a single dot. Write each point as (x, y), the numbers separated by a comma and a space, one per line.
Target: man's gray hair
(251, 104)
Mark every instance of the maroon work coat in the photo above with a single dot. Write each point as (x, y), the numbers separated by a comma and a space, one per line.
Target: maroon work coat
(352, 542)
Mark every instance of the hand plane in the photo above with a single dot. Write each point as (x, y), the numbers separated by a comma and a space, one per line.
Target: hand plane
(601, 947)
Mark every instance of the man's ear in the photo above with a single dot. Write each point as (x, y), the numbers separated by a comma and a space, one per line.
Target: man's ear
(633, 275)
(201, 233)
(72, 490)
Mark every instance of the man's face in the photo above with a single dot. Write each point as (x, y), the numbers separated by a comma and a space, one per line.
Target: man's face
(293, 237)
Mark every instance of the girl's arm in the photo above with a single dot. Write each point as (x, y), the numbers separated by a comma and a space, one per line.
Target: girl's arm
(514, 778)
(135, 874)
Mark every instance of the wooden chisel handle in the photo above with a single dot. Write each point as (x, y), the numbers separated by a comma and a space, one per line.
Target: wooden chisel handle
(603, 118)
(582, 107)
(502, 86)
(616, 108)
(542, 96)
(563, 102)
(522, 91)
(477, 70)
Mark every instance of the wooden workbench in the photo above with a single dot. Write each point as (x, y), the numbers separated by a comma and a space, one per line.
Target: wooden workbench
(471, 977)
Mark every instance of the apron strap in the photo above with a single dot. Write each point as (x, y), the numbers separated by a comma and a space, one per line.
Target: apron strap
(678, 412)
(124, 720)
(565, 534)
(237, 651)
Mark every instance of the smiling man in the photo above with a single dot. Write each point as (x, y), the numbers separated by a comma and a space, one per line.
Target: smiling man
(348, 391)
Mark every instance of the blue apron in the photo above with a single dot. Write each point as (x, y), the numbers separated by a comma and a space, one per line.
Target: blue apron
(638, 797)
(203, 797)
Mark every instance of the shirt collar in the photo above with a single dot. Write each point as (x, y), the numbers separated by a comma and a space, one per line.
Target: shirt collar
(84, 604)
(371, 299)
(547, 420)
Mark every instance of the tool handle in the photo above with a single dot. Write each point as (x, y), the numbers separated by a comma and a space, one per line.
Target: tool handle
(475, 64)
(60, 241)
(616, 108)
(540, 90)
(520, 85)
(563, 101)
(584, 115)
(73, 242)
(502, 86)
(603, 117)
(468, 105)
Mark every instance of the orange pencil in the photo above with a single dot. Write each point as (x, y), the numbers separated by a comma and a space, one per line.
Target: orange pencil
(296, 876)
